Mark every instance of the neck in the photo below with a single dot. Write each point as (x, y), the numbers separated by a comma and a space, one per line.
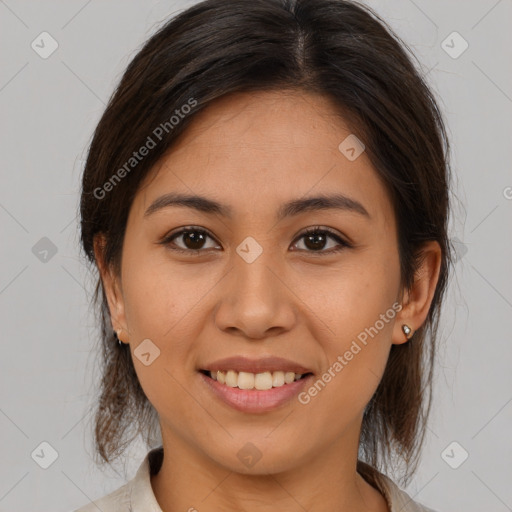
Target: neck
(329, 481)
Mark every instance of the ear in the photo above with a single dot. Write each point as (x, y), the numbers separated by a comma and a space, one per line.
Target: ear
(416, 301)
(112, 287)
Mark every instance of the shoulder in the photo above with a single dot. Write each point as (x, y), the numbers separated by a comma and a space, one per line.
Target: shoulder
(400, 500)
(397, 499)
(116, 501)
(135, 495)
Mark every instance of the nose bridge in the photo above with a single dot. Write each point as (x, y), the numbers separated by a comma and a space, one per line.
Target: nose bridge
(254, 274)
(255, 300)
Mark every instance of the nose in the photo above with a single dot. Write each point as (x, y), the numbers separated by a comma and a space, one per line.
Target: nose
(256, 302)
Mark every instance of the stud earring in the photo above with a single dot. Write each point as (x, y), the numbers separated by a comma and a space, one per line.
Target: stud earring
(407, 330)
(118, 332)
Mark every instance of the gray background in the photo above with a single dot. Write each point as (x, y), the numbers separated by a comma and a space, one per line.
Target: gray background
(49, 108)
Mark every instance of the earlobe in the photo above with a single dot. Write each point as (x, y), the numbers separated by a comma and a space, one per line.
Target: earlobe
(419, 298)
(110, 286)
(407, 331)
(120, 336)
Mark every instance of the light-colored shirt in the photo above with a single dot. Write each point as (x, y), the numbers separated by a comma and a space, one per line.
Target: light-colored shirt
(137, 494)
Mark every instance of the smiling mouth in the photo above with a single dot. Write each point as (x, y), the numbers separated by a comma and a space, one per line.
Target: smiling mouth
(257, 381)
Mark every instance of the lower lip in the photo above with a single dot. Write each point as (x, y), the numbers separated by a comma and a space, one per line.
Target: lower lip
(254, 400)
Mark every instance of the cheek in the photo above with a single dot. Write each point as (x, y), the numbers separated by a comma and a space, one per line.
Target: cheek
(156, 306)
(163, 303)
(354, 364)
(361, 312)
(146, 298)
(156, 294)
(355, 296)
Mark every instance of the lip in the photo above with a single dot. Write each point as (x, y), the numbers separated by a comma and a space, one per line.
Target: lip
(254, 400)
(263, 364)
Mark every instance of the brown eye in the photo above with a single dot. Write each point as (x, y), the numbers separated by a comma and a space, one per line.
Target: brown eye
(316, 239)
(191, 240)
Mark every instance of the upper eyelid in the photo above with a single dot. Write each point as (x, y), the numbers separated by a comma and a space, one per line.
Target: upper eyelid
(186, 229)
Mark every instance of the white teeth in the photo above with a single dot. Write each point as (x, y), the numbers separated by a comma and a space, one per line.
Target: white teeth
(277, 379)
(263, 381)
(259, 381)
(289, 377)
(231, 379)
(246, 380)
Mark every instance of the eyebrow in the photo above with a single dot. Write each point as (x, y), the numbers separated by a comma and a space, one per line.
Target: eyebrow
(289, 209)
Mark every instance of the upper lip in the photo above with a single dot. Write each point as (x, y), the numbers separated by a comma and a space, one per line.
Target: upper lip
(263, 364)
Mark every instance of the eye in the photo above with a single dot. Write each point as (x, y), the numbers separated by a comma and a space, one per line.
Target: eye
(315, 239)
(192, 238)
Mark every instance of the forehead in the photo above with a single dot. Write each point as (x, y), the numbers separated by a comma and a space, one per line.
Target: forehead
(274, 146)
(272, 122)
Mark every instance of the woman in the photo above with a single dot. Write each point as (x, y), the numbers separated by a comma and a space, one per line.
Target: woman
(266, 201)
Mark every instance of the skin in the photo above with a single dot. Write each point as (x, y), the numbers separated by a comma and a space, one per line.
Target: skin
(254, 152)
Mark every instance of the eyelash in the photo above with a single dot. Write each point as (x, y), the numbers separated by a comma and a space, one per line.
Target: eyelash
(314, 230)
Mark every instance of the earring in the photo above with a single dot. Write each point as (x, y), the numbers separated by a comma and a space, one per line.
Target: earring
(118, 336)
(407, 330)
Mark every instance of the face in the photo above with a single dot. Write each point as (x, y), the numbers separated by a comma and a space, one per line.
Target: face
(241, 280)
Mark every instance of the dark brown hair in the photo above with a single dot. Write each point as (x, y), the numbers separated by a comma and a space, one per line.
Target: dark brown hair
(340, 49)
